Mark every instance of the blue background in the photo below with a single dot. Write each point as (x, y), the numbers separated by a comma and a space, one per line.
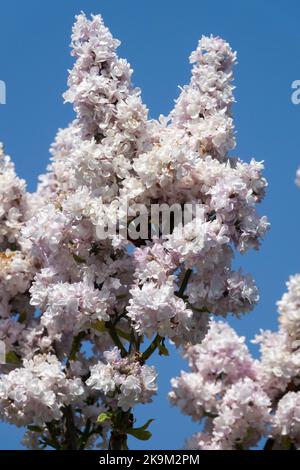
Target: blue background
(157, 38)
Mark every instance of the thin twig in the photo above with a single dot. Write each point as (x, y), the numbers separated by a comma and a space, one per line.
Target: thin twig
(184, 283)
(116, 339)
(269, 444)
(71, 431)
(151, 348)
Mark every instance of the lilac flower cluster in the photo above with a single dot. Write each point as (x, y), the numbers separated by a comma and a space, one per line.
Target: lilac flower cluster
(75, 310)
(238, 398)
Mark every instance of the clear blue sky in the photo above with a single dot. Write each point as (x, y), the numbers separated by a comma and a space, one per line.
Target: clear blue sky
(157, 37)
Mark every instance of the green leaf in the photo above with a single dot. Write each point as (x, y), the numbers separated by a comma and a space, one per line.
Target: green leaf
(147, 424)
(76, 345)
(123, 334)
(141, 433)
(12, 358)
(78, 258)
(104, 417)
(51, 443)
(99, 325)
(13, 247)
(22, 317)
(162, 350)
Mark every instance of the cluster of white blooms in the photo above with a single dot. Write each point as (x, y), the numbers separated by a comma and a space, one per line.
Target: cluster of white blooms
(75, 306)
(203, 107)
(13, 202)
(15, 277)
(243, 416)
(124, 382)
(280, 354)
(286, 421)
(16, 266)
(242, 399)
(163, 312)
(222, 389)
(36, 392)
(218, 362)
(279, 364)
(289, 310)
(68, 308)
(112, 153)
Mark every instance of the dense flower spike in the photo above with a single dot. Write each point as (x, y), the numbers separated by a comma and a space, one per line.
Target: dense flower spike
(222, 389)
(203, 108)
(240, 399)
(13, 202)
(83, 307)
(289, 310)
(16, 266)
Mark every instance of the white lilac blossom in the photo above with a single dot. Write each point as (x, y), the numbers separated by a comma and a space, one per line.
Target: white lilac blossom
(239, 399)
(80, 313)
(223, 390)
(203, 108)
(124, 381)
(242, 419)
(289, 309)
(13, 202)
(279, 364)
(286, 421)
(16, 265)
(163, 312)
(221, 360)
(36, 392)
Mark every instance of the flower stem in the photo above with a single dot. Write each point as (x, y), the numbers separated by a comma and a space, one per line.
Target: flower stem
(71, 432)
(269, 444)
(117, 441)
(116, 339)
(184, 283)
(118, 437)
(151, 348)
